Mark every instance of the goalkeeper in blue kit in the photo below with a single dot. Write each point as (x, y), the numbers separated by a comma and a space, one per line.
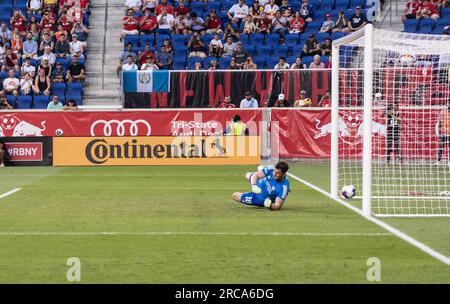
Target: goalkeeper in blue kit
(270, 187)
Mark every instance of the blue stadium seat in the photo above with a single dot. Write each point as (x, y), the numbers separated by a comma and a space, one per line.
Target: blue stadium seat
(280, 51)
(213, 6)
(410, 25)
(264, 50)
(313, 26)
(297, 50)
(24, 102)
(180, 51)
(342, 4)
(321, 37)
(355, 3)
(224, 62)
(327, 5)
(179, 40)
(40, 102)
(320, 15)
(74, 88)
(147, 39)
(271, 62)
(197, 6)
(260, 61)
(426, 25)
(77, 98)
(59, 89)
(292, 39)
(307, 60)
(445, 12)
(336, 35)
(257, 39)
(179, 63)
(12, 100)
(191, 62)
(251, 49)
(296, 4)
(272, 39)
(134, 39)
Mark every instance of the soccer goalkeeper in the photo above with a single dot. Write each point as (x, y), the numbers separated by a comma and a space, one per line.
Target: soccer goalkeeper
(270, 187)
(443, 133)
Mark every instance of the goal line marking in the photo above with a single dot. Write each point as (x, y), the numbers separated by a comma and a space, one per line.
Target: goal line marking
(10, 193)
(175, 233)
(439, 256)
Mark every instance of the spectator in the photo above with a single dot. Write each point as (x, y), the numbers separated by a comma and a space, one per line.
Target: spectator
(124, 57)
(328, 25)
(233, 65)
(427, 10)
(45, 66)
(297, 24)
(18, 21)
(165, 22)
(256, 9)
(230, 32)
(16, 43)
(76, 71)
(226, 104)
(328, 64)
(248, 101)
(30, 48)
(27, 67)
(130, 65)
(164, 60)
(150, 64)
(286, 9)
(240, 55)
(48, 21)
(134, 4)
(42, 84)
(76, 47)
(298, 65)
(303, 101)
(164, 6)
(357, 21)
(213, 23)
(282, 102)
(317, 64)
(341, 24)
(5, 33)
(11, 84)
(55, 104)
(149, 4)
(325, 101)
(198, 66)
(81, 31)
(58, 74)
(215, 46)
(71, 105)
(229, 47)
(34, 7)
(305, 10)
(214, 65)
(62, 48)
(249, 64)
(197, 24)
(311, 47)
(237, 12)
(279, 25)
(249, 25)
(26, 84)
(168, 44)
(410, 10)
(10, 59)
(66, 24)
(271, 9)
(148, 23)
(282, 64)
(182, 24)
(4, 105)
(48, 55)
(142, 59)
(263, 24)
(46, 41)
(181, 9)
(326, 47)
(60, 32)
(130, 25)
(196, 46)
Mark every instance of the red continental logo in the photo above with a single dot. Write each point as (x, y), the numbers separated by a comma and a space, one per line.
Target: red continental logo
(25, 151)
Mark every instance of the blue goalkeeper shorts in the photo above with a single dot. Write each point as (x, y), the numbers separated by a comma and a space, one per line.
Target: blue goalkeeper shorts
(250, 198)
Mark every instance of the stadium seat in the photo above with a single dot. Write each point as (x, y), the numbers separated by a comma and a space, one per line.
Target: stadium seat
(213, 6)
(257, 39)
(341, 5)
(445, 13)
(224, 62)
(178, 40)
(12, 100)
(271, 62)
(197, 6)
(336, 35)
(147, 39)
(59, 89)
(133, 39)
(264, 50)
(410, 25)
(78, 99)
(40, 102)
(251, 50)
(426, 25)
(180, 51)
(260, 61)
(322, 36)
(75, 88)
(272, 39)
(313, 27)
(24, 102)
(307, 60)
(292, 39)
(327, 5)
(191, 62)
(355, 3)
(280, 51)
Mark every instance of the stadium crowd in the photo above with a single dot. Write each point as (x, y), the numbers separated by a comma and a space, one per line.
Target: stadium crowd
(427, 16)
(42, 52)
(235, 34)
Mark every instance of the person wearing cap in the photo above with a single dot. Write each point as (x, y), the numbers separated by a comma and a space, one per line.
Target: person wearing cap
(240, 55)
(248, 101)
(311, 47)
(303, 101)
(282, 64)
(213, 23)
(357, 21)
(45, 65)
(328, 24)
(76, 47)
(281, 102)
(150, 64)
(48, 55)
(30, 48)
(27, 67)
(237, 127)
(237, 12)
(227, 103)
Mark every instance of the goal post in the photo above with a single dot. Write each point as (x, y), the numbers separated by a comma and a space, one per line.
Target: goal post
(390, 109)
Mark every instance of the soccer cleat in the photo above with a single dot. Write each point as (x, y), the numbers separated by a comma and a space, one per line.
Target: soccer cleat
(248, 175)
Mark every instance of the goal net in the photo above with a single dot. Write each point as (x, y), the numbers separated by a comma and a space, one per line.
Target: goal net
(391, 124)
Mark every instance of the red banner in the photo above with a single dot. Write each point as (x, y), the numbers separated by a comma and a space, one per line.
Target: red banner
(125, 123)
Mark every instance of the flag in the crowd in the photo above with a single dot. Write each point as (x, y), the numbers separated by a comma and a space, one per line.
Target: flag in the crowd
(146, 81)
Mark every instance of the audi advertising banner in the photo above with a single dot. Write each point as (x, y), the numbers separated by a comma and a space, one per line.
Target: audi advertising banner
(126, 123)
(29, 151)
(136, 151)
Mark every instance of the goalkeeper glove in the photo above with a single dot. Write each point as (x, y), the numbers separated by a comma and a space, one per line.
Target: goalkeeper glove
(267, 202)
(256, 189)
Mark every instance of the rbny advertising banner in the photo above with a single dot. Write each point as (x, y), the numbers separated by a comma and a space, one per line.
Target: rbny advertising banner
(126, 123)
(137, 151)
(29, 151)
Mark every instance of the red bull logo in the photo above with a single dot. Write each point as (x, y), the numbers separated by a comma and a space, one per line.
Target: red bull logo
(10, 125)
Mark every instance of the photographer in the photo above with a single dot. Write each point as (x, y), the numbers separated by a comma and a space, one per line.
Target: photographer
(196, 46)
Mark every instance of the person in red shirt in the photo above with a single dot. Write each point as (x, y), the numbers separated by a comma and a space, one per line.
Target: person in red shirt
(213, 23)
(130, 25)
(181, 9)
(297, 24)
(47, 22)
(410, 10)
(427, 10)
(146, 53)
(226, 104)
(148, 23)
(325, 102)
(66, 23)
(18, 20)
(162, 5)
(263, 24)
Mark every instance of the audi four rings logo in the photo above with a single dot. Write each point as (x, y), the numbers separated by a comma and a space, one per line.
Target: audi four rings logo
(121, 127)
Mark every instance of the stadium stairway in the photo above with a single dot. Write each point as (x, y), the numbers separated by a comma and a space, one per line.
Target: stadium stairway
(104, 49)
(391, 15)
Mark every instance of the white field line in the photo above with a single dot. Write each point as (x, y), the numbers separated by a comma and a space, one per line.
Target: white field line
(175, 233)
(439, 256)
(9, 193)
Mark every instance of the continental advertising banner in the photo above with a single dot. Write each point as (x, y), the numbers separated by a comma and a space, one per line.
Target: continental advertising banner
(138, 151)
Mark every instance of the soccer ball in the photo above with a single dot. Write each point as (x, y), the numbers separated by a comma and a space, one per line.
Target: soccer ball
(348, 191)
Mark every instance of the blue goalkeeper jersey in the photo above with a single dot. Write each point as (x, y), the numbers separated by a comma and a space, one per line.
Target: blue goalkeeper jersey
(270, 188)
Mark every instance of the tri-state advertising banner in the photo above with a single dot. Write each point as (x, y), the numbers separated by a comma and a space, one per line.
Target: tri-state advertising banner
(155, 150)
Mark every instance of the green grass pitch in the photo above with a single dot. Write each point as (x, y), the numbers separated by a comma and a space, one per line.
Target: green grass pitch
(179, 225)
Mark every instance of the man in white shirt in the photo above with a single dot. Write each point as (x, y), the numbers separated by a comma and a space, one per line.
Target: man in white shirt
(76, 47)
(149, 64)
(282, 64)
(165, 22)
(215, 46)
(11, 84)
(237, 12)
(229, 47)
(27, 67)
(270, 9)
(49, 55)
(130, 65)
(248, 101)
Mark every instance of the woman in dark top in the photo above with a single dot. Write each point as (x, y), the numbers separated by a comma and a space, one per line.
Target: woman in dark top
(42, 84)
